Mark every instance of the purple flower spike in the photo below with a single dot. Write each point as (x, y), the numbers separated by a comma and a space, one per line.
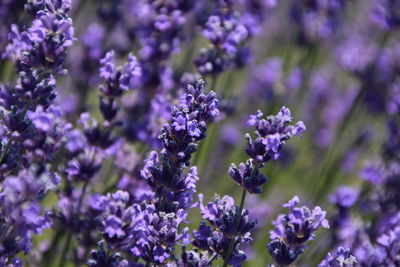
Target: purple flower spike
(344, 196)
(271, 133)
(293, 230)
(180, 137)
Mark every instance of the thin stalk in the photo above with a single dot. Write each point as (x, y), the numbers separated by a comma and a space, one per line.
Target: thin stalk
(78, 209)
(213, 83)
(49, 255)
(215, 255)
(239, 217)
(65, 251)
(68, 242)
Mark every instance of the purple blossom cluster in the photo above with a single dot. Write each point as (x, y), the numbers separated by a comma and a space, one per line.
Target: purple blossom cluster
(293, 230)
(226, 34)
(317, 20)
(271, 134)
(119, 120)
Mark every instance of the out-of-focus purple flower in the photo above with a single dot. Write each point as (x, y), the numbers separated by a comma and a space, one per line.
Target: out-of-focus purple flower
(317, 20)
(266, 80)
(226, 34)
(255, 13)
(386, 14)
(294, 79)
(355, 53)
(344, 196)
(384, 252)
(327, 106)
(230, 134)
(393, 105)
(92, 40)
(373, 173)
(390, 241)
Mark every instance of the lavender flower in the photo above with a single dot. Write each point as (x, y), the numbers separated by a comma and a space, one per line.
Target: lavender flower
(340, 258)
(248, 176)
(317, 20)
(179, 138)
(344, 196)
(293, 230)
(342, 224)
(138, 229)
(116, 203)
(46, 41)
(271, 134)
(223, 216)
(385, 13)
(226, 33)
(39, 54)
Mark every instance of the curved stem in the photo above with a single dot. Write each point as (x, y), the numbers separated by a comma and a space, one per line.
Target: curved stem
(239, 218)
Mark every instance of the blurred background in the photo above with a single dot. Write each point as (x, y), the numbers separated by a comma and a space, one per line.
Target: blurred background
(334, 63)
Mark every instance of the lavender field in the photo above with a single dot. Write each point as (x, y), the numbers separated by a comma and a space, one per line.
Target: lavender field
(138, 133)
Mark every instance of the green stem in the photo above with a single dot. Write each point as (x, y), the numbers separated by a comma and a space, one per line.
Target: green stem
(239, 217)
(212, 259)
(49, 255)
(81, 197)
(68, 242)
(65, 251)
(213, 83)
